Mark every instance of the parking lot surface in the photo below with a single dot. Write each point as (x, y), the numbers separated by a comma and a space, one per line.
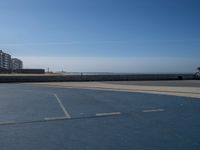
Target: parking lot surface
(56, 118)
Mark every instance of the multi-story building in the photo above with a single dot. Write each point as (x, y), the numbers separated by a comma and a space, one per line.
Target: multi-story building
(1, 59)
(5, 60)
(16, 64)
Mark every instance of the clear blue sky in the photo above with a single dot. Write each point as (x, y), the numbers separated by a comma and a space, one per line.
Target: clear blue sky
(116, 30)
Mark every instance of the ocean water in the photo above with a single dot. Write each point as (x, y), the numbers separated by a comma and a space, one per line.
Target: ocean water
(112, 73)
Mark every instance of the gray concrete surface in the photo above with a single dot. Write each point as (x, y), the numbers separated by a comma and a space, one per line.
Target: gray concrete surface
(50, 118)
(174, 83)
(175, 88)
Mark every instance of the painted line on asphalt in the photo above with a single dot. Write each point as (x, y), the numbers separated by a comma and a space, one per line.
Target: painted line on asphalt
(108, 114)
(27, 90)
(67, 115)
(52, 119)
(7, 122)
(153, 110)
(55, 118)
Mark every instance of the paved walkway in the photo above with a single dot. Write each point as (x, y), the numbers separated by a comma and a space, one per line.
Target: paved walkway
(184, 90)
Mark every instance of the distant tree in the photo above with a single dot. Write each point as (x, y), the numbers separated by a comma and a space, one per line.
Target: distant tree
(197, 75)
(198, 69)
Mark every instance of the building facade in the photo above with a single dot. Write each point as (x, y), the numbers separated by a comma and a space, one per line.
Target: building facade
(16, 64)
(1, 59)
(5, 60)
(8, 63)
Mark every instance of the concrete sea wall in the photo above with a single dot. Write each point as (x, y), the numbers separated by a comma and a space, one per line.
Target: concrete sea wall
(68, 78)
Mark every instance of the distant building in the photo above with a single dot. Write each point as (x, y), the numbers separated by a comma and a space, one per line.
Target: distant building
(16, 64)
(8, 63)
(5, 60)
(1, 59)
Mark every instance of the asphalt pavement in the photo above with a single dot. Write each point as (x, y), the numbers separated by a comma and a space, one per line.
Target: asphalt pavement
(48, 118)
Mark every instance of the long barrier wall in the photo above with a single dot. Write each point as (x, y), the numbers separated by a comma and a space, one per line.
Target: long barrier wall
(65, 78)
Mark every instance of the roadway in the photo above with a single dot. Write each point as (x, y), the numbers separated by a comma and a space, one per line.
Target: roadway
(57, 118)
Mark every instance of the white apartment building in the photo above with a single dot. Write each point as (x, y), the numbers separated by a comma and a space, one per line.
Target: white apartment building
(5, 60)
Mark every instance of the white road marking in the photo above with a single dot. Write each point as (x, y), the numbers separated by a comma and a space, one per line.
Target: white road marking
(108, 114)
(28, 90)
(62, 106)
(6, 122)
(55, 118)
(153, 110)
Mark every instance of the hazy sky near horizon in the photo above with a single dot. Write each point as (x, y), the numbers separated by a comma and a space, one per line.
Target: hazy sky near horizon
(103, 35)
